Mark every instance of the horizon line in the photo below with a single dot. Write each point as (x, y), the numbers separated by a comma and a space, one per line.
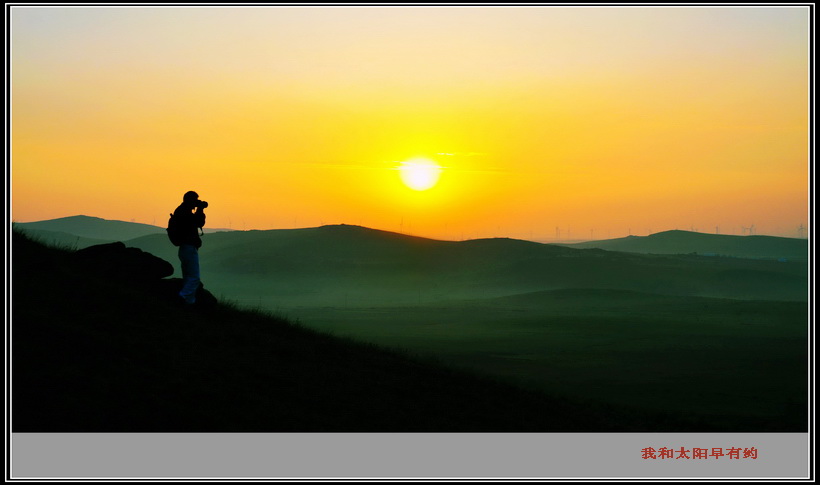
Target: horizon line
(540, 239)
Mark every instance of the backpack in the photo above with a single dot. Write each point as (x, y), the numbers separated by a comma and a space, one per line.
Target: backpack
(174, 231)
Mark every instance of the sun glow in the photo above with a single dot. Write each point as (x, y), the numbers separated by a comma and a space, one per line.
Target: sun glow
(420, 173)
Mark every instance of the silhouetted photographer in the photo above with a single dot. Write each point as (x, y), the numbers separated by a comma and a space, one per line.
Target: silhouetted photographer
(184, 230)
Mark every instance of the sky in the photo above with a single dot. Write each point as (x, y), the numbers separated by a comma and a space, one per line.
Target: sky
(546, 122)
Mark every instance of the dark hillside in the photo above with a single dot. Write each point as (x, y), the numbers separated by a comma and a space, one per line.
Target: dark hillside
(94, 350)
(62, 239)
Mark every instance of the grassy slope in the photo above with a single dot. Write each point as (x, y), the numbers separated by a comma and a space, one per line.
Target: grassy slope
(95, 355)
(61, 239)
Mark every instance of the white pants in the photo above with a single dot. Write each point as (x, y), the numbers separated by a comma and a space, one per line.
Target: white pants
(189, 257)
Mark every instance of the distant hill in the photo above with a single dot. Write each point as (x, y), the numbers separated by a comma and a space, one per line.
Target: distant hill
(686, 242)
(340, 264)
(92, 356)
(82, 231)
(92, 228)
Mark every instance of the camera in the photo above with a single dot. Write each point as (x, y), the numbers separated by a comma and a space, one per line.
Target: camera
(201, 204)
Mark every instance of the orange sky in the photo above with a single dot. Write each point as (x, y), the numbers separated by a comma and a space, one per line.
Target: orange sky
(588, 122)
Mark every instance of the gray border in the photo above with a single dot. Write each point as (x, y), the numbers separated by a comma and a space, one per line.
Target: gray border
(418, 456)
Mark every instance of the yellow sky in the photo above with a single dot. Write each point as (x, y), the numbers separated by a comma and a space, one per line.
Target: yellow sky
(580, 121)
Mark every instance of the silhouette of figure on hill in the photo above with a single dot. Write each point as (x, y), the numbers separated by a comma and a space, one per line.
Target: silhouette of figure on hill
(190, 218)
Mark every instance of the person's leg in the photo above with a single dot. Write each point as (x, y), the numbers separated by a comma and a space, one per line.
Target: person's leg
(189, 258)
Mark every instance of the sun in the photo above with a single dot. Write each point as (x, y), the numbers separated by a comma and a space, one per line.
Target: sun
(420, 173)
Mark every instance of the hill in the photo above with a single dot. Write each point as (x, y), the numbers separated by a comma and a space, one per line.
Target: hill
(93, 228)
(335, 265)
(686, 242)
(97, 352)
(82, 231)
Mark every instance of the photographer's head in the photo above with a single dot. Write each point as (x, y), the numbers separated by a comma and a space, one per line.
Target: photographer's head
(191, 199)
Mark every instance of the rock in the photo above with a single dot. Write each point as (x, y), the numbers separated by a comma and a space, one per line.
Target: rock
(117, 261)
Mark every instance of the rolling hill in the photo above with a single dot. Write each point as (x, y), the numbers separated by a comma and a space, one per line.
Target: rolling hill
(338, 264)
(686, 242)
(93, 228)
(333, 265)
(82, 231)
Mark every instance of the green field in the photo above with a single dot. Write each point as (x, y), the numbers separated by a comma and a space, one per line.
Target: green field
(703, 358)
